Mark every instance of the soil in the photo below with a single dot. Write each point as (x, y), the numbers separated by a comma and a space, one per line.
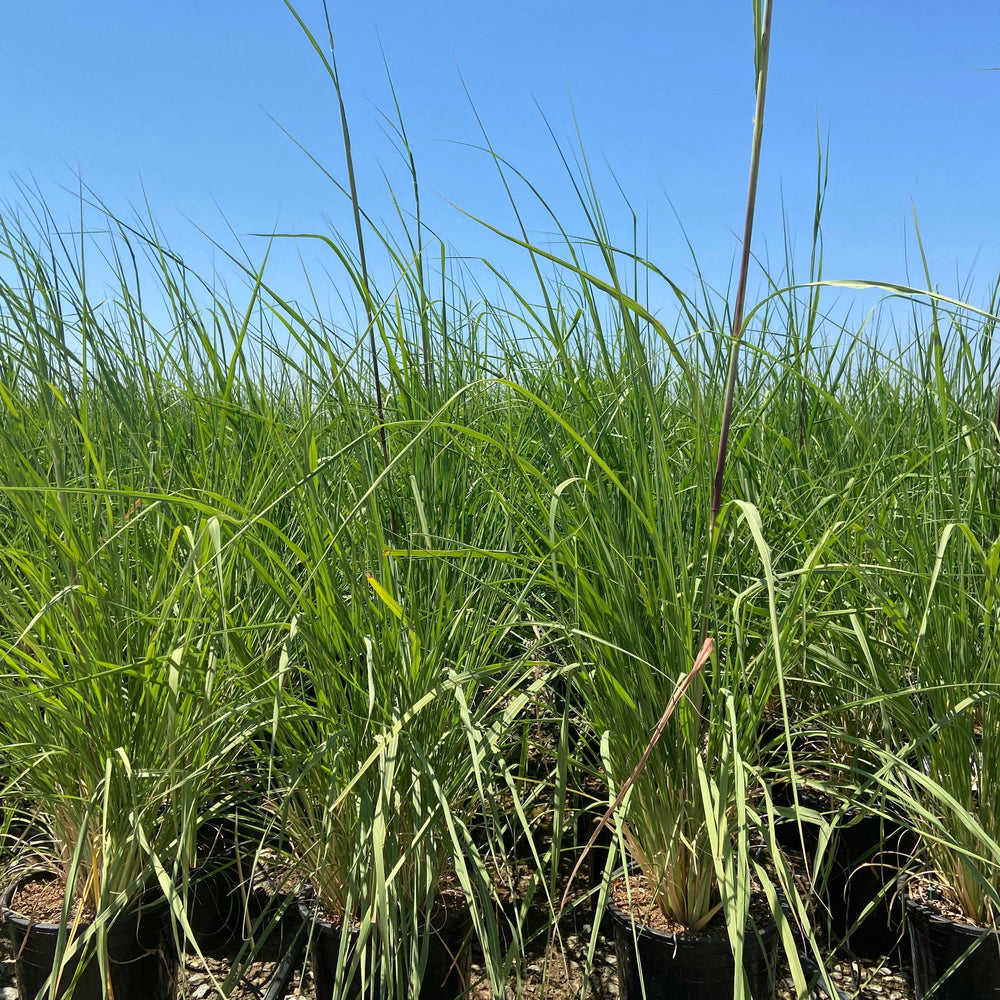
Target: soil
(450, 898)
(929, 892)
(637, 896)
(41, 900)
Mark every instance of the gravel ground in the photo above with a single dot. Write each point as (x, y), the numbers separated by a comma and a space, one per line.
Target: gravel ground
(544, 973)
(555, 980)
(560, 978)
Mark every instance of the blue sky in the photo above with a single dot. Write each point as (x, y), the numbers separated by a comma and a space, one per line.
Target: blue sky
(178, 103)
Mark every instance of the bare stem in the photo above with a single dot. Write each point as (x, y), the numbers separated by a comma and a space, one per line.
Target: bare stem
(741, 288)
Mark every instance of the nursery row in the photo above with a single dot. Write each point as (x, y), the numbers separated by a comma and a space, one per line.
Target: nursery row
(396, 634)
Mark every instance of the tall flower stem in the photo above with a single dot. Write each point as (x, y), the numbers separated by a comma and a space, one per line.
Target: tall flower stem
(762, 15)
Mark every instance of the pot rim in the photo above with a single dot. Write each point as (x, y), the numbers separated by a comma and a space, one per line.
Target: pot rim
(961, 926)
(9, 915)
(308, 903)
(765, 933)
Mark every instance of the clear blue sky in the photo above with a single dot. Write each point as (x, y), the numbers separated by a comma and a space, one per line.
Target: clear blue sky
(178, 98)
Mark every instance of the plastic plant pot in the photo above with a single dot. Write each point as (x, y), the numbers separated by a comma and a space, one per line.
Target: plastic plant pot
(215, 907)
(446, 973)
(142, 959)
(860, 906)
(654, 965)
(938, 943)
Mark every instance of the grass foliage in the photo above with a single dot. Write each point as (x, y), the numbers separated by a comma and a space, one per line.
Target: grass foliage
(406, 614)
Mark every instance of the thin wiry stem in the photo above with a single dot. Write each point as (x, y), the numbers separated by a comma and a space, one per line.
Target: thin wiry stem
(741, 288)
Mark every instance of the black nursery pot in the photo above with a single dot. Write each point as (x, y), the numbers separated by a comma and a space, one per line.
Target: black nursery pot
(216, 899)
(215, 906)
(142, 959)
(863, 861)
(446, 973)
(653, 965)
(868, 858)
(937, 942)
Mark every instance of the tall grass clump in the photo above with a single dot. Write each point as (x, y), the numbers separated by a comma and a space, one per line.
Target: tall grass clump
(950, 773)
(259, 561)
(130, 622)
